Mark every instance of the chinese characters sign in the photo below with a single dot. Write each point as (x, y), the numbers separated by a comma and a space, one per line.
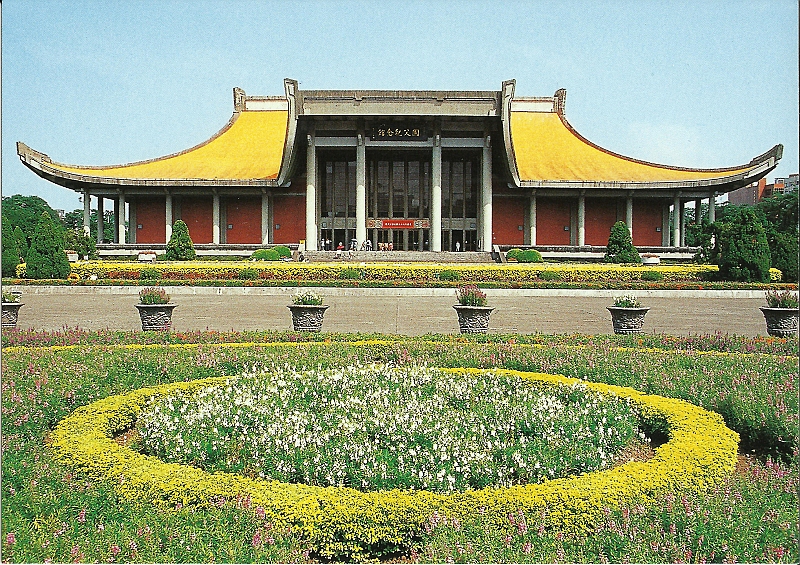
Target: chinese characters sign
(398, 132)
(398, 223)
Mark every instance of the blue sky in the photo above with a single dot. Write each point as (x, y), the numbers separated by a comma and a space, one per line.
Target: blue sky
(696, 84)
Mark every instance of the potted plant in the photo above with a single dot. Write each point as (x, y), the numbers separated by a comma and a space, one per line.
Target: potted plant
(155, 309)
(780, 313)
(473, 314)
(11, 306)
(627, 315)
(307, 312)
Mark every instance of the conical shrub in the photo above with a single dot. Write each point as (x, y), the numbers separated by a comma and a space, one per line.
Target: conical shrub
(46, 258)
(180, 246)
(620, 247)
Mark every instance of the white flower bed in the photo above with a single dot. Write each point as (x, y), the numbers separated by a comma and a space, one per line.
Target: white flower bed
(381, 427)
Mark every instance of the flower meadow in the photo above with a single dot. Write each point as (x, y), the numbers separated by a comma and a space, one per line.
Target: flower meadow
(380, 427)
(58, 509)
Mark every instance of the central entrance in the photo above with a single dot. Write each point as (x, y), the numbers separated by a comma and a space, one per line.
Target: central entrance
(399, 186)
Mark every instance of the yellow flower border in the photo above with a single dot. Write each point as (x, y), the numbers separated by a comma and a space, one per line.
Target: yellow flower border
(279, 270)
(340, 521)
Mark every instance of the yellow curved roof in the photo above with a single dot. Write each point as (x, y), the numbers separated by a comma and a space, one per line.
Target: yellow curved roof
(546, 149)
(249, 147)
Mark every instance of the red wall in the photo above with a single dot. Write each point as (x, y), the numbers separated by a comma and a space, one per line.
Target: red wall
(198, 213)
(289, 212)
(552, 214)
(646, 218)
(244, 214)
(601, 214)
(507, 215)
(151, 214)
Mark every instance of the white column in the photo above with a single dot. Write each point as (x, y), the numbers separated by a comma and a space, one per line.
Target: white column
(361, 190)
(629, 214)
(121, 219)
(532, 217)
(697, 208)
(265, 218)
(712, 212)
(683, 223)
(312, 233)
(486, 194)
(436, 195)
(87, 212)
(168, 216)
(100, 213)
(215, 220)
(676, 221)
(581, 220)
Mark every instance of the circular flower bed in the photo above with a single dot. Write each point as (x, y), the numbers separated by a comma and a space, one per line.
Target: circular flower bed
(341, 521)
(380, 427)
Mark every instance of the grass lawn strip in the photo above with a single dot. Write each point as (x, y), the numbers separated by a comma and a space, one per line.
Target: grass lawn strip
(338, 521)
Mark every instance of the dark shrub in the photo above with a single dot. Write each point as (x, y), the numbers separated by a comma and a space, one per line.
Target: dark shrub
(449, 275)
(784, 252)
(149, 274)
(652, 276)
(46, 257)
(283, 251)
(620, 247)
(248, 274)
(743, 250)
(81, 243)
(349, 274)
(266, 255)
(10, 251)
(180, 246)
(551, 276)
(529, 256)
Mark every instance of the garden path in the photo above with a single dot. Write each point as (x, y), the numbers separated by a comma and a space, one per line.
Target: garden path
(395, 311)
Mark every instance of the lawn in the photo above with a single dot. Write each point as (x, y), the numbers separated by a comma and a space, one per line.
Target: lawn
(55, 509)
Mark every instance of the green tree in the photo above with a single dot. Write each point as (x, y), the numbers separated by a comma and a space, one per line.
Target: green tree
(25, 211)
(83, 244)
(10, 254)
(180, 246)
(744, 253)
(46, 257)
(22, 242)
(620, 247)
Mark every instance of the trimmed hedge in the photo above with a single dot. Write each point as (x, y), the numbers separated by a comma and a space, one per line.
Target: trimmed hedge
(289, 271)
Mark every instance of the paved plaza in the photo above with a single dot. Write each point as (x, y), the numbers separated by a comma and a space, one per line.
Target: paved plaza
(395, 311)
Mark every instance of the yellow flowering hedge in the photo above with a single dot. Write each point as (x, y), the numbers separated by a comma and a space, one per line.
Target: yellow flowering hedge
(287, 271)
(342, 522)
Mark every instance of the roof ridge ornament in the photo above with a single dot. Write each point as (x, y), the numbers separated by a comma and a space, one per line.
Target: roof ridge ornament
(239, 99)
(560, 100)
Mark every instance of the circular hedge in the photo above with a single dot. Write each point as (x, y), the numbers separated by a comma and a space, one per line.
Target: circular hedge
(342, 522)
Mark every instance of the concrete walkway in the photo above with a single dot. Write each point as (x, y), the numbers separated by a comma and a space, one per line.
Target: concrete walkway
(412, 311)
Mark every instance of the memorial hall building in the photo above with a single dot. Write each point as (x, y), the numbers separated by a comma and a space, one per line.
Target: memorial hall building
(424, 170)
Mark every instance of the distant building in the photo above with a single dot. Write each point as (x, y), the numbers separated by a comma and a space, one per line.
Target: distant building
(754, 193)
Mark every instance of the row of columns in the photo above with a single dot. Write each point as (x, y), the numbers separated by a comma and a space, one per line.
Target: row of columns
(679, 227)
(119, 215)
(312, 207)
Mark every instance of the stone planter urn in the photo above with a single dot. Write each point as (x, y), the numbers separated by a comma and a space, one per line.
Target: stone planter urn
(156, 317)
(627, 320)
(781, 322)
(307, 317)
(11, 314)
(473, 319)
